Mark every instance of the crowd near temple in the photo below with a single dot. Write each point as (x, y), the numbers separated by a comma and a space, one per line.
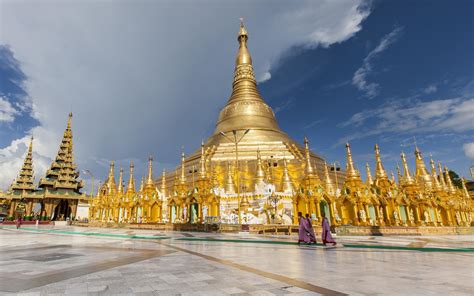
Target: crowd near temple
(248, 172)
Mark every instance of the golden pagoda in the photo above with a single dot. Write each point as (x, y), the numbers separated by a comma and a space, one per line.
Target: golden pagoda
(57, 194)
(250, 172)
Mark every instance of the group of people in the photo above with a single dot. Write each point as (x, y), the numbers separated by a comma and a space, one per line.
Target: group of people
(306, 231)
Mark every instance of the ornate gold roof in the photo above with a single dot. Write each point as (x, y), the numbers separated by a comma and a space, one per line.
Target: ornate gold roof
(25, 178)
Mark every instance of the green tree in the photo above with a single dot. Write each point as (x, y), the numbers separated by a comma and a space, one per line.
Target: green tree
(455, 179)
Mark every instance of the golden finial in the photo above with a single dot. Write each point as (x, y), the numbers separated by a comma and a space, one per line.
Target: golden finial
(379, 169)
(369, 175)
(182, 179)
(286, 185)
(202, 171)
(327, 180)
(449, 182)
(434, 175)
(407, 179)
(149, 180)
(441, 177)
(111, 185)
(131, 180)
(351, 171)
(69, 121)
(464, 189)
(120, 183)
(259, 174)
(242, 30)
(229, 189)
(309, 167)
(163, 183)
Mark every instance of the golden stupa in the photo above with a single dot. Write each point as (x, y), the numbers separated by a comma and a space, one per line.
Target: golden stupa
(250, 172)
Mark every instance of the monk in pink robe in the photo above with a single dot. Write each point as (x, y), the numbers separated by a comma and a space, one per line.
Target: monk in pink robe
(326, 235)
(312, 236)
(303, 230)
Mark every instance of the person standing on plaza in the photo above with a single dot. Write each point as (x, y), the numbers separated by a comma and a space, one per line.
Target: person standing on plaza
(326, 234)
(311, 235)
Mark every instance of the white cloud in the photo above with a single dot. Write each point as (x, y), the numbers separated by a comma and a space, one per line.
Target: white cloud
(136, 73)
(401, 117)
(360, 79)
(7, 111)
(469, 149)
(264, 77)
(430, 89)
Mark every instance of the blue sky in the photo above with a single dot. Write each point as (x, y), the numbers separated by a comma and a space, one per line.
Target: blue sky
(135, 76)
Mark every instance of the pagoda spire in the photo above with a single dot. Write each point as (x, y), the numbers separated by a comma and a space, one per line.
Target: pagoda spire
(449, 182)
(309, 168)
(245, 104)
(328, 184)
(407, 178)
(434, 175)
(259, 172)
(230, 187)
(286, 185)
(369, 181)
(142, 185)
(465, 193)
(441, 177)
(163, 184)
(202, 171)
(399, 174)
(392, 177)
(63, 173)
(25, 178)
(182, 179)
(379, 169)
(120, 182)
(111, 185)
(351, 172)
(149, 180)
(421, 172)
(131, 180)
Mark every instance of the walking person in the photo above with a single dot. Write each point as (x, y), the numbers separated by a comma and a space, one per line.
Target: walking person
(18, 222)
(303, 230)
(326, 234)
(311, 235)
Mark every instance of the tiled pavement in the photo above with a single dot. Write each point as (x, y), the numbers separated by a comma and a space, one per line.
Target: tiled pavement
(63, 262)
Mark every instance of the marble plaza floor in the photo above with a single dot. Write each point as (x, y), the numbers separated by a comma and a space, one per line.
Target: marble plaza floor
(94, 261)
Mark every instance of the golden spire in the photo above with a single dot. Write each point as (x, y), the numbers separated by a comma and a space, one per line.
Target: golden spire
(120, 183)
(309, 168)
(379, 169)
(464, 188)
(131, 180)
(182, 179)
(392, 177)
(328, 184)
(202, 171)
(369, 175)
(421, 172)
(351, 172)
(286, 185)
(407, 179)
(229, 188)
(245, 104)
(434, 175)
(399, 174)
(259, 172)
(25, 178)
(441, 177)
(142, 184)
(149, 179)
(449, 182)
(163, 183)
(111, 185)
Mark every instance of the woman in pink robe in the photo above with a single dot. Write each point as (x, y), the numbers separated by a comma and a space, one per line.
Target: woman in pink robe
(326, 235)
